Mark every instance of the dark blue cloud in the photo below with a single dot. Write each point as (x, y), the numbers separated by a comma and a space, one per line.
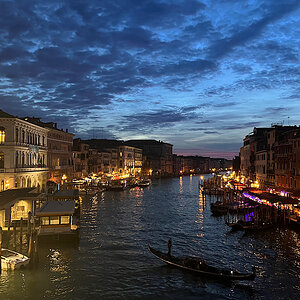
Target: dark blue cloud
(137, 67)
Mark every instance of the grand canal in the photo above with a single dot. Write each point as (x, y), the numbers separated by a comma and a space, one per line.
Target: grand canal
(112, 260)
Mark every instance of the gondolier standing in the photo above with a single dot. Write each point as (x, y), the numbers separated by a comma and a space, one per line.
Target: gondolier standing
(169, 246)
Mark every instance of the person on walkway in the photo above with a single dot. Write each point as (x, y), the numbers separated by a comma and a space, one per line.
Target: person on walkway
(169, 246)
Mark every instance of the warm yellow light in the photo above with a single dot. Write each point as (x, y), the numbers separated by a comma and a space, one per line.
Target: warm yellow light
(2, 137)
(64, 177)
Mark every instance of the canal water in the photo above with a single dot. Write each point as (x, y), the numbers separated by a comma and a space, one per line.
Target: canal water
(111, 260)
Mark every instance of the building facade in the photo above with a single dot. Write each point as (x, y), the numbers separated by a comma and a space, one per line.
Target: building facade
(23, 153)
(159, 155)
(80, 158)
(60, 144)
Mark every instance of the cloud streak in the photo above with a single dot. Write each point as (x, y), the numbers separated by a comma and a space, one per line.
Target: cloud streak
(152, 68)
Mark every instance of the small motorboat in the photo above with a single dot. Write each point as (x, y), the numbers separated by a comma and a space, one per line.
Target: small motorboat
(199, 266)
(11, 260)
(144, 183)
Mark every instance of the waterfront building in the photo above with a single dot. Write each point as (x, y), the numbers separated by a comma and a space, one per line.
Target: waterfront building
(58, 218)
(188, 165)
(130, 161)
(253, 142)
(268, 157)
(273, 134)
(106, 166)
(159, 155)
(94, 161)
(23, 153)
(16, 204)
(80, 158)
(261, 165)
(117, 158)
(177, 164)
(114, 157)
(296, 159)
(287, 168)
(60, 145)
(236, 164)
(138, 161)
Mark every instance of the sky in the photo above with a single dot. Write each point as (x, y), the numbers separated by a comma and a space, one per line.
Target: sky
(197, 74)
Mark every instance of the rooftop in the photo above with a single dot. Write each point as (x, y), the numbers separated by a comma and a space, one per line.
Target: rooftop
(12, 195)
(66, 194)
(55, 208)
(3, 114)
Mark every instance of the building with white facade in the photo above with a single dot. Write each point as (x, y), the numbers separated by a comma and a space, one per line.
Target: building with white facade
(23, 153)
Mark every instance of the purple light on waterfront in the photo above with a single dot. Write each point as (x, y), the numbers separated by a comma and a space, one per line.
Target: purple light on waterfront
(252, 197)
(249, 217)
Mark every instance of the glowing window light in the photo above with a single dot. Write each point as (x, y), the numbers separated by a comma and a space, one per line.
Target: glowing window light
(2, 135)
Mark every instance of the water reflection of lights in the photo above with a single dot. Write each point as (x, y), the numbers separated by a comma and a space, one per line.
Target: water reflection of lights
(57, 264)
(191, 183)
(139, 192)
(180, 183)
(200, 215)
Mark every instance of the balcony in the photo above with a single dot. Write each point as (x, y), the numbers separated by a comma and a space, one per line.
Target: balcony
(24, 169)
(33, 147)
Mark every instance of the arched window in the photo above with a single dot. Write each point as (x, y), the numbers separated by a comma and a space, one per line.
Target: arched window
(23, 136)
(28, 182)
(17, 159)
(2, 135)
(17, 134)
(1, 160)
(23, 159)
(2, 185)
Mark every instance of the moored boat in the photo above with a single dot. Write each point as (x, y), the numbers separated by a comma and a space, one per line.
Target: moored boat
(11, 260)
(144, 183)
(235, 225)
(199, 266)
(249, 225)
(218, 208)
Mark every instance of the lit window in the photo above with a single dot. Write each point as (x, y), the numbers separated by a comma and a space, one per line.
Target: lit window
(45, 220)
(54, 220)
(2, 135)
(64, 220)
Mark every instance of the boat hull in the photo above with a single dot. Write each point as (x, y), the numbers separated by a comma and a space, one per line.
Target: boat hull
(209, 271)
(11, 260)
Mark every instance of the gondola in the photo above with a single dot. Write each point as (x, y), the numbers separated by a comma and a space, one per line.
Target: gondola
(199, 266)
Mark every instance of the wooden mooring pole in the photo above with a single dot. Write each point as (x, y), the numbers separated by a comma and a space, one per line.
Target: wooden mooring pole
(15, 236)
(21, 234)
(0, 249)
